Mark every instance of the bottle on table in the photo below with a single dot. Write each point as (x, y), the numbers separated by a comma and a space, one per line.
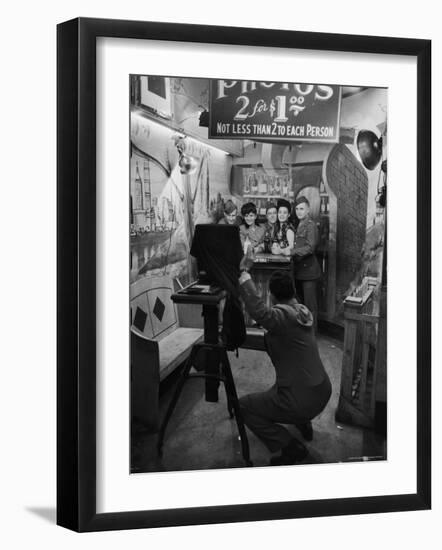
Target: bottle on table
(247, 243)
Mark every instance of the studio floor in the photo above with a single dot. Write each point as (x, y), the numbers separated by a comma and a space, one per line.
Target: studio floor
(201, 435)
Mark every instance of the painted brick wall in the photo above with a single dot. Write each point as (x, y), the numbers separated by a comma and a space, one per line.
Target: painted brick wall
(348, 180)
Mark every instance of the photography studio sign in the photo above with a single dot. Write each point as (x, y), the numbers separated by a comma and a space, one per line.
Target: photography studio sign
(274, 110)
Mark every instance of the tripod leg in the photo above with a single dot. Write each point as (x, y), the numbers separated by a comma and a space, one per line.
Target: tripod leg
(233, 399)
(229, 405)
(175, 398)
(212, 368)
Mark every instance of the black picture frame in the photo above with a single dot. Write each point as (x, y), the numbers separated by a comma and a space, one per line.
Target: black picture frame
(76, 273)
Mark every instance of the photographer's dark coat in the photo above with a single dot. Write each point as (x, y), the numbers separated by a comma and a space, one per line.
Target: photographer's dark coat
(302, 387)
(290, 339)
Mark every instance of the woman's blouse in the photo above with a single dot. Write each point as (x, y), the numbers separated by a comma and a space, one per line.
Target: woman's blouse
(281, 233)
(255, 233)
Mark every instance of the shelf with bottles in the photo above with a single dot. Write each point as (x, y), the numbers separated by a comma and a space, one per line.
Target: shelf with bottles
(260, 187)
(270, 197)
(257, 182)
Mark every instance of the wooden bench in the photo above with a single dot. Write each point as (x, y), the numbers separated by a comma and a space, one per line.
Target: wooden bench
(159, 344)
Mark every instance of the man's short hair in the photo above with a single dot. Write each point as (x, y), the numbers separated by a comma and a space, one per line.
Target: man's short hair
(229, 207)
(270, 205)
(302, 199)
(248, 208)
(281, 285)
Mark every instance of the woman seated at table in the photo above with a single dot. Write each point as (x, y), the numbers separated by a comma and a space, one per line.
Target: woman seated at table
(269, 228)
(285, 233)
(250, 232)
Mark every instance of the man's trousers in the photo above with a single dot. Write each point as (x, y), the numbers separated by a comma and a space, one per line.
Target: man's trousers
(264, 412)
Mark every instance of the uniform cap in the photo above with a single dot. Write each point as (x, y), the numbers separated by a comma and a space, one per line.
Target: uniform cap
(302, 199)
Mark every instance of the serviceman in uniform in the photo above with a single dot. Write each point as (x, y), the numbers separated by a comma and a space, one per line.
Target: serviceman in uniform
(305, 264)
(230, 214)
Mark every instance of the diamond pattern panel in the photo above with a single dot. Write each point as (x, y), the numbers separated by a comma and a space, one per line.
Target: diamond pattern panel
(140, 319)
(158, 309)
(162, 310)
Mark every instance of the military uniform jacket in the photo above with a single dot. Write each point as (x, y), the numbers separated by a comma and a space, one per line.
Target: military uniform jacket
(306, 266)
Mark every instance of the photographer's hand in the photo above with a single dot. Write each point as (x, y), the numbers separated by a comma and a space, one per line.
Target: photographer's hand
(247, 260)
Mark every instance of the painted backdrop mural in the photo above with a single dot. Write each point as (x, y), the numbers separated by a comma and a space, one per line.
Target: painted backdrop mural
(176, 182)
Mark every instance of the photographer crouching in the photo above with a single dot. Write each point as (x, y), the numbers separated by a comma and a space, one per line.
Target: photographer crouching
(302, 388)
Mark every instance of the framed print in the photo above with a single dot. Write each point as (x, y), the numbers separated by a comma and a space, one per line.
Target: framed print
(237, 338)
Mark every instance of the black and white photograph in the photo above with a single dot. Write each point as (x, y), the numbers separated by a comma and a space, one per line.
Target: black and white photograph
(258, 273)
(220, 244)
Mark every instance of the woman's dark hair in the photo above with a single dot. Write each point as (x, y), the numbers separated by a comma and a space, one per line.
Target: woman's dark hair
(286, 204)
(248, 208)
(281, 285)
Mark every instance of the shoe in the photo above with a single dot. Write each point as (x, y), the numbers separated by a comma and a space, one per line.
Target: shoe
(294, 452)
(306, 430)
